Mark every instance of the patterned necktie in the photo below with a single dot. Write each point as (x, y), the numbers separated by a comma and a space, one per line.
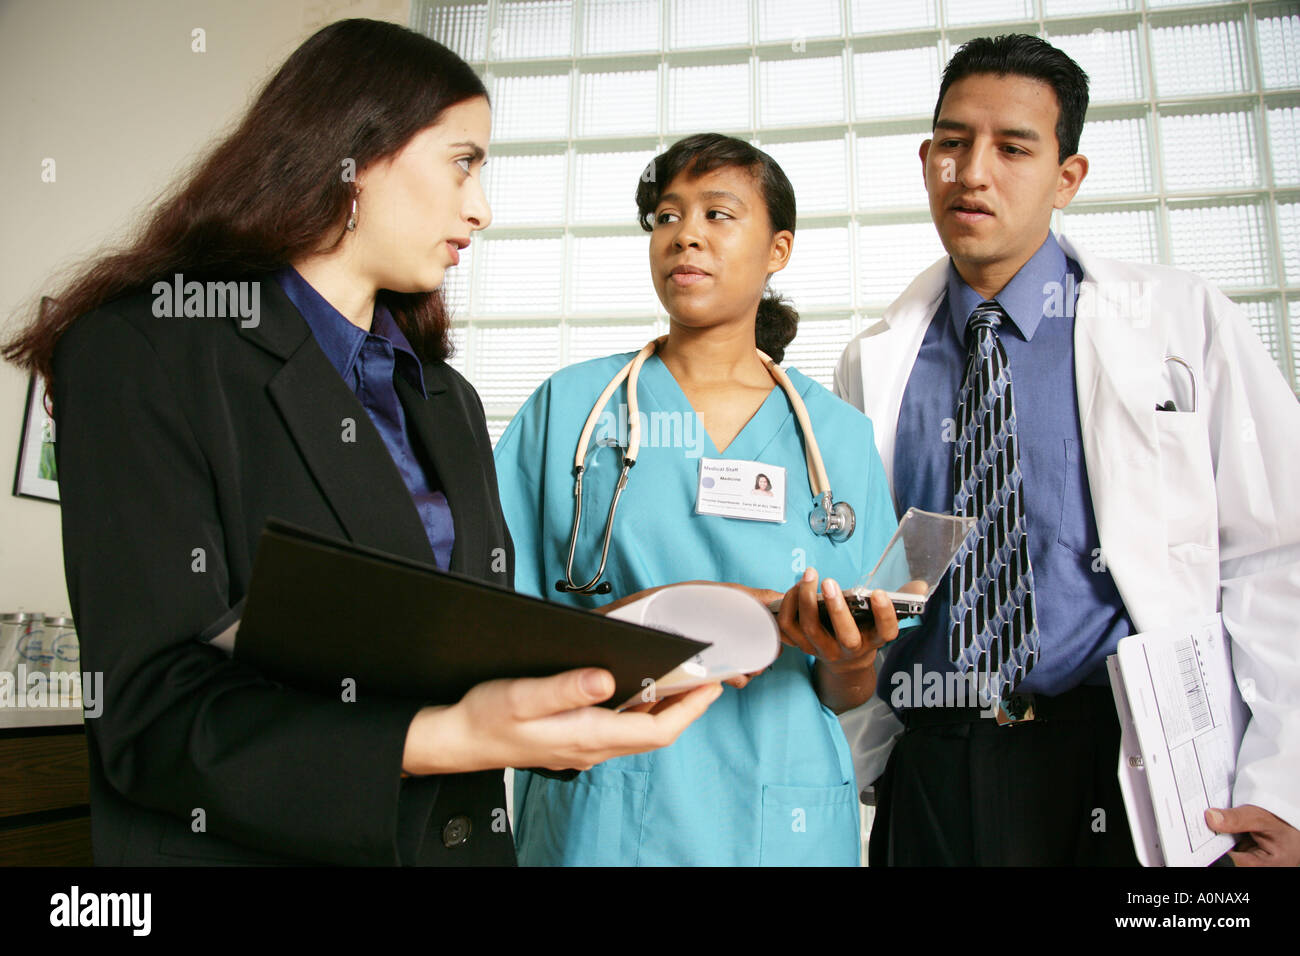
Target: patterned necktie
(994, 631)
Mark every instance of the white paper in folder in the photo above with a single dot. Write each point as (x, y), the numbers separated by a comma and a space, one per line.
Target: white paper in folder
(742, 634)
(1181, 722)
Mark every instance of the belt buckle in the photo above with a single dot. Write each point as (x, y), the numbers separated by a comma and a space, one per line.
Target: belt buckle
(1016, 709)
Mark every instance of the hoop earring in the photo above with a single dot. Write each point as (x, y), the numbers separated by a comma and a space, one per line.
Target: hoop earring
(352, 218)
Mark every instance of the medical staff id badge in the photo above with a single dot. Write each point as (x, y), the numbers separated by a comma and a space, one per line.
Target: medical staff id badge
(741, 489)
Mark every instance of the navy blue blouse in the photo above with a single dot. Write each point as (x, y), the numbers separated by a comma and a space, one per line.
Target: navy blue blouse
(368, 361)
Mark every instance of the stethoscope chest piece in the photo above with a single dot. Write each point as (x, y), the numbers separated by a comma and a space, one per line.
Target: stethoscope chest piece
(836, 521)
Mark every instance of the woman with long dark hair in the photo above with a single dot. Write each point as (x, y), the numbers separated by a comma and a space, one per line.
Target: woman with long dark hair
(273, 343)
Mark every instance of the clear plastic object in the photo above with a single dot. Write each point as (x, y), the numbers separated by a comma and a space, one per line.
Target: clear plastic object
(911, 567)
(915, 560)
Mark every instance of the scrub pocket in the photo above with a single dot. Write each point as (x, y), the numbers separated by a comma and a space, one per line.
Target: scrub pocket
(810, 826)
(594, 819)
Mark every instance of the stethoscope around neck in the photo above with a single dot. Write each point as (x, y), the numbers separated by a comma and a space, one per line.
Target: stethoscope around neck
(832, 519)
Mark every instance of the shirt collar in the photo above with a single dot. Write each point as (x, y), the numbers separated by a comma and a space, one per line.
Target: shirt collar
(339, 339)
(385, 326)
(1024, 298)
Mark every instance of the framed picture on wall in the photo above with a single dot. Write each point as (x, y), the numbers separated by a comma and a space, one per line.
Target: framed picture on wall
(37, 475)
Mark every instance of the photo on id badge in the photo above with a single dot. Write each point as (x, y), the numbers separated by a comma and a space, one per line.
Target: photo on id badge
(741, 489)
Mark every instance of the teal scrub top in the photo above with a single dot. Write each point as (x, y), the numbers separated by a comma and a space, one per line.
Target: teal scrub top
(765, 777)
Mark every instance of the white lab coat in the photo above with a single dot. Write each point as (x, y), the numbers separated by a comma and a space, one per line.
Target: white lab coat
(1196, 511)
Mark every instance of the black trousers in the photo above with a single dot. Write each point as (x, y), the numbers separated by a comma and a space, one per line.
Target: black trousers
(972, 793)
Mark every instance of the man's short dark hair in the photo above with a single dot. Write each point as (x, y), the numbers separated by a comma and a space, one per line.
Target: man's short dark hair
(1018, 54)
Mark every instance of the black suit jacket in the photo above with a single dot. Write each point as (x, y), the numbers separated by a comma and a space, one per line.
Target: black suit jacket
(177, 438)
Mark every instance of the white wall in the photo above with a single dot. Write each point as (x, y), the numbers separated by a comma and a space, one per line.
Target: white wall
(112, 92)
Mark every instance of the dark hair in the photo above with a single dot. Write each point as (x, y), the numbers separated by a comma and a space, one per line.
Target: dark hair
(777, 321)
(276, 188)
(1018, 54)
(765, 478)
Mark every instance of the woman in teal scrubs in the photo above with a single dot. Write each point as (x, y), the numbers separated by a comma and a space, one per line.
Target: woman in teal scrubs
(765, 776)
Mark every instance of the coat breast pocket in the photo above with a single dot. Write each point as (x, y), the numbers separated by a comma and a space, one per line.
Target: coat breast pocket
(1188, 492)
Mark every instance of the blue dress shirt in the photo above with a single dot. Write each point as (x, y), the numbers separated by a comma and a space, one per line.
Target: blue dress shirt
(368, 361)
(1081, 616)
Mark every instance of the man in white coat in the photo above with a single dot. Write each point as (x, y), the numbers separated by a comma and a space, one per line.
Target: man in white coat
(1158, 480)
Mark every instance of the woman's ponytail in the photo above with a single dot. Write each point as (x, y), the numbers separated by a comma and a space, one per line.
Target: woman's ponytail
(776, 325)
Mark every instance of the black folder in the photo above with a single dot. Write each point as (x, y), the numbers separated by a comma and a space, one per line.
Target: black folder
(321, 611)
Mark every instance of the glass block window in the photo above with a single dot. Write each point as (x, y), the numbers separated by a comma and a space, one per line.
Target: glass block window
(591, 340)
(533, 28)
(1263, 316)
(526, 188)
(896, 82)
(708, 23)
(1119, 155)
(456, 282)
(459, 337)
(530, 107)
(1278, 34)
(1193, 137)
(604, 188)
(610, 274)
(620, 26)
(891, 254)
(1288, 227)
(1111, 60)
(460, 26)
(872, 16)
(822, 272)
(817, 348)
(1193, 57)
(519, 275)
(961, 12)
(783, 21)
(1209, 150)
(495, 368)
(714, 97)
(1293, 317)
(1198, 236)
(889, 170)
(1069, 8)
(818, 170)
(617, 104)
(1283, 145)
(784, 84)
(1131, 234)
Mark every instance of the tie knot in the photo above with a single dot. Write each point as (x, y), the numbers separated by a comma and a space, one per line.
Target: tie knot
(987, 315)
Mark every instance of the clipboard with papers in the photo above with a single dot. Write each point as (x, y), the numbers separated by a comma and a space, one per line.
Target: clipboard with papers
(1181, 722)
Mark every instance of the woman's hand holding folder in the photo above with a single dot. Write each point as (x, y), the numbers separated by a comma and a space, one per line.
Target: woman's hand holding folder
(548, 722)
